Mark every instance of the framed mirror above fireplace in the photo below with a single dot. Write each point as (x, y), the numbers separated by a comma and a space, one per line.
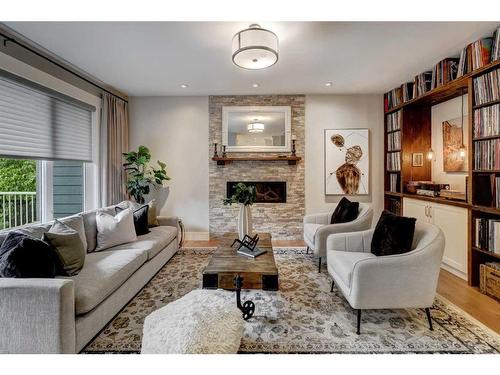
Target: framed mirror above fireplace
(256, 128)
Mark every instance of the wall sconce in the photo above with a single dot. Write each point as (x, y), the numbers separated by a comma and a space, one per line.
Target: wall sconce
(430, 154)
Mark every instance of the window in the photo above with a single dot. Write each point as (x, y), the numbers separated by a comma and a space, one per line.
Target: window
(45, 151)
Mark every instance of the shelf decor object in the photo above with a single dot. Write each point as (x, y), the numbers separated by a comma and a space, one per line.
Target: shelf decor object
(255, 48)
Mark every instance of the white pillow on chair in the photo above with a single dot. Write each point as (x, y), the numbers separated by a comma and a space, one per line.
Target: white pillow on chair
(115, 230)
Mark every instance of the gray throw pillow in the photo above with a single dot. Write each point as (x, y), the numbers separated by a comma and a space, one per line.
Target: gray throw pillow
(68, 245)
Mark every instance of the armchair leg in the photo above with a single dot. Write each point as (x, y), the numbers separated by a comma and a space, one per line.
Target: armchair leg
(333, 284)
(307, 250)
(428, 313)
(319, 265)
(359, 322)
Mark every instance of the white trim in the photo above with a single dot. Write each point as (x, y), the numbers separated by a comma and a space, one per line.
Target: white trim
(287, 110)
(196, 236)
(454, 271)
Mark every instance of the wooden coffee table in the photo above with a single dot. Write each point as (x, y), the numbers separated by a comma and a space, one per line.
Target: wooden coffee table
(229, 270)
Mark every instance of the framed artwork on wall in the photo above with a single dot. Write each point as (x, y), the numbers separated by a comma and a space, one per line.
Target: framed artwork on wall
(347, 161)
(453, 138)
(417, 159)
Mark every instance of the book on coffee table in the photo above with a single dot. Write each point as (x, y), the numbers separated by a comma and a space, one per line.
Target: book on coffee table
(251, 253)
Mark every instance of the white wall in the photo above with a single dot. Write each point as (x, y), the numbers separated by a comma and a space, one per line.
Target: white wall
(342, 112)
(176, 131)
(448, 110)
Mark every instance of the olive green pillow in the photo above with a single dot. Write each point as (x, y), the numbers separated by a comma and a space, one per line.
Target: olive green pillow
(69, 247)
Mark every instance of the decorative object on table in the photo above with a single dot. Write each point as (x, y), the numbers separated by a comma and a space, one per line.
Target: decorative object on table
(215, 150)
(489, 279)
(454, 139)
(347, 161)
(245, 196)
(417, 159)
(224, 151)
(141, 175)
(248, 246)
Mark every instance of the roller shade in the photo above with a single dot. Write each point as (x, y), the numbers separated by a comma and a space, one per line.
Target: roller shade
(39, 123)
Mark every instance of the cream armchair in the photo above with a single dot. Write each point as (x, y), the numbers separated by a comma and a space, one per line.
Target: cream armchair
(387, 282)
(317, 228)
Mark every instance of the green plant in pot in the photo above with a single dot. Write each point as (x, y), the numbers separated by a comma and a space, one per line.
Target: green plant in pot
(141, 175)
(245, 196)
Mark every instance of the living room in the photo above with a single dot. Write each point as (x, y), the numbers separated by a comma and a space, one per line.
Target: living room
(198, 186)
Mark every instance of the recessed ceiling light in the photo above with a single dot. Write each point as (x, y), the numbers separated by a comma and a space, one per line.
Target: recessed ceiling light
(184, 86)
(255, 85)
(328, 84)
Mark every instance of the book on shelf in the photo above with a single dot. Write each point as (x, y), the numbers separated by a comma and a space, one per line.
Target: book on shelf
(487, 234)
(487, 155)
(394, 182)
(487, 87)
(422, 83)
(394, 161)
(444, 72)
(485, 184)
(495, 49)
(394, 141)
(487, 121)
(393, 98)
(407, 91)
(394, 121)
(481, 52)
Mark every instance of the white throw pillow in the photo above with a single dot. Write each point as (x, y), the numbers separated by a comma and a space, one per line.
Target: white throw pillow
(114, 230)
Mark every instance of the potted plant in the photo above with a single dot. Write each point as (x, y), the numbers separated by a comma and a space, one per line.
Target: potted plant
(245, 196)
(142, 176)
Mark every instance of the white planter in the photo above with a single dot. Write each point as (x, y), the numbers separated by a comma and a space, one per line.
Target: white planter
(244, 221)
(159, 194)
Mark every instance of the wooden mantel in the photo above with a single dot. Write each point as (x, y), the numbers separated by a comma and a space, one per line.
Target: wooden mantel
(292, 160)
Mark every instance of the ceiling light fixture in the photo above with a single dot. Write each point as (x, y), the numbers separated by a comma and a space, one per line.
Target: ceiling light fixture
(184, 86)
(255, 85)
(255, 127)
(255, 48)
(328, 84)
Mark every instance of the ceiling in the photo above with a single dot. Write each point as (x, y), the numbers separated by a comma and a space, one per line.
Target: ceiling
(155, 58)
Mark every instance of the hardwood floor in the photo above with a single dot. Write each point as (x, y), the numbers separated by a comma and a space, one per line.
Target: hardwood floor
(471, 300)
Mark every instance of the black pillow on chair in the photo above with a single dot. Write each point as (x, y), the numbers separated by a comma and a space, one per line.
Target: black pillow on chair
(393, 234)
(345, 211)
(140, 219)
(25, 256)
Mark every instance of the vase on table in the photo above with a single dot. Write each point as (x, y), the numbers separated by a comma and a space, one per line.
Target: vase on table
(244, 221)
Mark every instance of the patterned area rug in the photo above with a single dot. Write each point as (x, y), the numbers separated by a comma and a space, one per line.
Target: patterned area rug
(303, 316)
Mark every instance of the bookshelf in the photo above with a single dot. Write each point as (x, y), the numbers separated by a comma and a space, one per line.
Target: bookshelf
(415, 129)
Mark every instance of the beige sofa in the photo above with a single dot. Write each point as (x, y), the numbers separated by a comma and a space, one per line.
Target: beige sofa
(62, 315)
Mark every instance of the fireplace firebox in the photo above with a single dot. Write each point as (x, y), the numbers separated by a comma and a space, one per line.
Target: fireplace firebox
(267, 191)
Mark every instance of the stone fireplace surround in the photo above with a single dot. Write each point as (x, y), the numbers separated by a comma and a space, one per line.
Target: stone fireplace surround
(282, 220)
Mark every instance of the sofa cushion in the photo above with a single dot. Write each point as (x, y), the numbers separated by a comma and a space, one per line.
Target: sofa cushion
(393, 234)
(140, 219)
(90, 226)
(345, 211)
(102, 274)
(342, 263)
(76, 222)
(152, 243)
(115, 230)
(310, 230)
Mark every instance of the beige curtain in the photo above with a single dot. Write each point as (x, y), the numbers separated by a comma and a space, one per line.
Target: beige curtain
(114, 141)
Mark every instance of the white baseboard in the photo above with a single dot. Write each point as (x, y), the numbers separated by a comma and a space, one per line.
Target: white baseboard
(454, 271)
(197, 236)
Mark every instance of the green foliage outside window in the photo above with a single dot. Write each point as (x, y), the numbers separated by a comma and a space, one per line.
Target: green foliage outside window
(17, 175)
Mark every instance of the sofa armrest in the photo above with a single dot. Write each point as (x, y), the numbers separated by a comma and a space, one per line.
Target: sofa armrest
(169, 221)
(353, 241)
(323, 218)
(37, 316)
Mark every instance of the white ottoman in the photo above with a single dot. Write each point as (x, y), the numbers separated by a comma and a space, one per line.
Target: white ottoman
(203, 321)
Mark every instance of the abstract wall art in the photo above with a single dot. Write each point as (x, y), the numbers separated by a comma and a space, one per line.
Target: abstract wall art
(347, 161)
(453, 136)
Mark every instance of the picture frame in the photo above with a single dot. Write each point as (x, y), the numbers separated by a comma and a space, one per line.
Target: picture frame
(417, 159)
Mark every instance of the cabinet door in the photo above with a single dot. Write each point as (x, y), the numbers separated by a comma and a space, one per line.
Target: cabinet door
(415, 208)
(453, 222)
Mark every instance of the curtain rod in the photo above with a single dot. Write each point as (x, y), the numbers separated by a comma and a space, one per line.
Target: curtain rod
(7, 39)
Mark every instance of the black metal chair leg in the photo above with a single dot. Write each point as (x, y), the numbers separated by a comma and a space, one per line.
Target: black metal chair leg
(359, 322)
(319, 265)
(333, 284)
(429, 319)
(307, 250)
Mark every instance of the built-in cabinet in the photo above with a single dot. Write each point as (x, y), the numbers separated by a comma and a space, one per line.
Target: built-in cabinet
(453, 222)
